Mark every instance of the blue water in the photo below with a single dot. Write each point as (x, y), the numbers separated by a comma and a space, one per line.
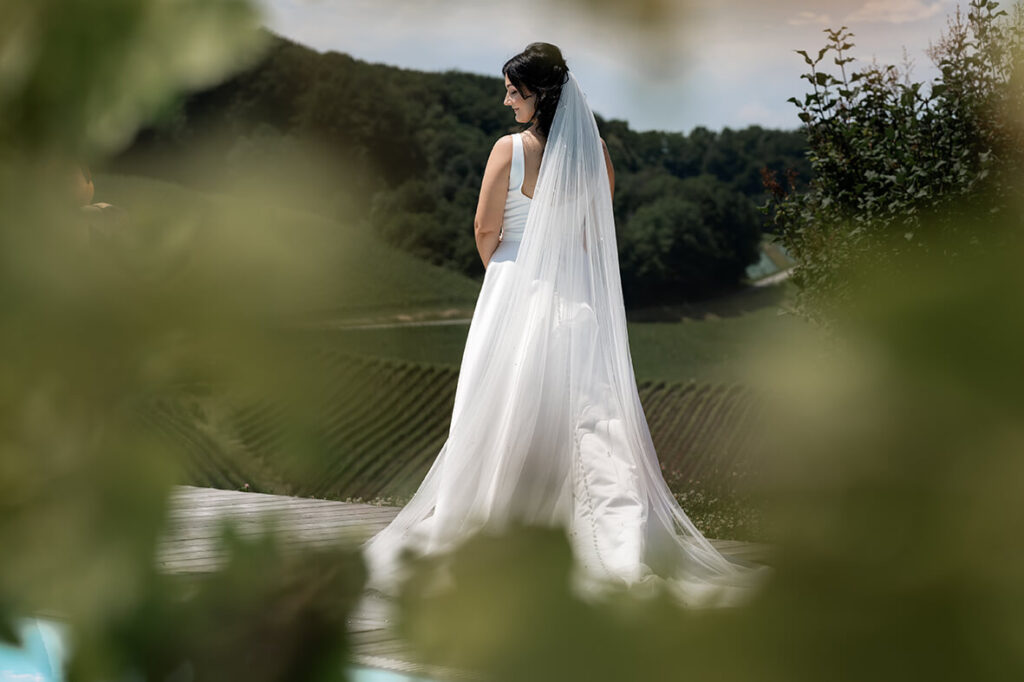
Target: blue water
(42, 653)
(358, 673)
(45, 648)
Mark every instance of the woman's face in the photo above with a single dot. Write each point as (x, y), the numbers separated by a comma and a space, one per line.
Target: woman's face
(522, 103)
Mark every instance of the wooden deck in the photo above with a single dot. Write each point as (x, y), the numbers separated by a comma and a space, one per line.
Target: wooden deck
(190, 547)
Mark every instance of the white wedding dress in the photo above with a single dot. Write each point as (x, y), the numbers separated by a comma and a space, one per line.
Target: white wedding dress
(547, 426)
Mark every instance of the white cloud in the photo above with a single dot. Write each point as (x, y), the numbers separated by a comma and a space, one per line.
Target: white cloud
(757, 113)
(894, 11)
(803, 18)
(734, 63)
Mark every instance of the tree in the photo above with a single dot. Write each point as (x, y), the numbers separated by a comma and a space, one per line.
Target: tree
(887, 152)
(689, 243)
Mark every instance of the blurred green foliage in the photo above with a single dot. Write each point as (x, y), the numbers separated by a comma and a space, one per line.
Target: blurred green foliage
(268, 614)
(79, 76)
(105, 310)
(901, 168)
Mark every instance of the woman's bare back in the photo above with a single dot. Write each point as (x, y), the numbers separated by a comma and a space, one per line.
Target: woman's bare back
(533, 152)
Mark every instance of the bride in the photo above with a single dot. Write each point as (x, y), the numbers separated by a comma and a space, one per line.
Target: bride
(547, 426)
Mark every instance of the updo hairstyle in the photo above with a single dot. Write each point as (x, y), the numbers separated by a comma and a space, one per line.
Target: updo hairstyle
(540, 69)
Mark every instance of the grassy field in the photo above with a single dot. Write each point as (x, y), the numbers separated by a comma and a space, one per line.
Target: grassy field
(384, 421)
(704, 343)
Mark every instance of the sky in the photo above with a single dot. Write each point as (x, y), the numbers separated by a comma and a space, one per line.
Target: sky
(676, 65)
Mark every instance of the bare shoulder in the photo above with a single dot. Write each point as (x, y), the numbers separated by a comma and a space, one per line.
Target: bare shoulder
(501, 154)
(603, 145)
(503, 146)
(499, 163)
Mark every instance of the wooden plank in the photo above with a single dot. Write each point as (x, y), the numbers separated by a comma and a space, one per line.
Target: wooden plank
(258, 520)
(375, 636)
(182, 554)
(220, 498)
(281, 509)
(249, 501)
(190, 516)
(288, 535)
(257, 505)
(411, 668)
(230, 496)
(379, 642)
(257, 527)
(187, 555)
(362, 624)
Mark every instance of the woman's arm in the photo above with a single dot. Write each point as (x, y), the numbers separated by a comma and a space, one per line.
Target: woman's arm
(490, 208)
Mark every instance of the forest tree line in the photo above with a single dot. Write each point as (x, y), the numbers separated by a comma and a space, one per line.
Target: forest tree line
(403, 151)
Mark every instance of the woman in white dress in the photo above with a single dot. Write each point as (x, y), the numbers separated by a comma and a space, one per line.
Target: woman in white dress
(547, 426)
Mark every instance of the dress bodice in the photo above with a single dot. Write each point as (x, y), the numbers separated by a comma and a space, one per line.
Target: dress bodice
(517, 204)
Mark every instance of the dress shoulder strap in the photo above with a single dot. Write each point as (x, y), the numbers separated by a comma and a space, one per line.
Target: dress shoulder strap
(518, 171)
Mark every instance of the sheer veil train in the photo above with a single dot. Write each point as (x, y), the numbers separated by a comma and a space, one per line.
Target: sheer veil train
(547, 426)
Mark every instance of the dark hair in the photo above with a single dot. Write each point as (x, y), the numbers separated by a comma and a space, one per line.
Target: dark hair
(540, 69)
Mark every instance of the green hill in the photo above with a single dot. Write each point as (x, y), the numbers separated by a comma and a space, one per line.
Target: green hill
(378, 279)
(404, 150)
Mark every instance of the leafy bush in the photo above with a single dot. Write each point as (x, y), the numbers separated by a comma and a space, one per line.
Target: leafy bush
(886, 152)
(104, 316)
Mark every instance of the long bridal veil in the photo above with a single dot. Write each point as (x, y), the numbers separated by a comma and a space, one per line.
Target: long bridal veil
(547, 426)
